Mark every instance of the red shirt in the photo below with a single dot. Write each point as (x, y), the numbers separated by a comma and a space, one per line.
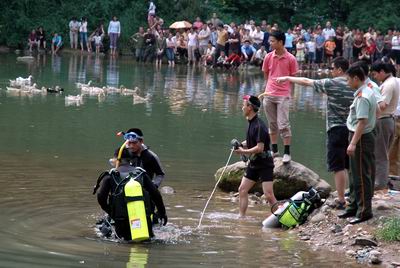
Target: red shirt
(276, 66)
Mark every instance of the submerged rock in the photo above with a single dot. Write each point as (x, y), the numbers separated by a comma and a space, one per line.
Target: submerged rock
(167, 190)
(288, 179)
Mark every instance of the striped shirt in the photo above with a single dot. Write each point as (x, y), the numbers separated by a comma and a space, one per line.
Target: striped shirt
(340, 97)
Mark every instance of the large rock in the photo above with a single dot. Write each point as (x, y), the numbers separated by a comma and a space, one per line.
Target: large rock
(288, 179)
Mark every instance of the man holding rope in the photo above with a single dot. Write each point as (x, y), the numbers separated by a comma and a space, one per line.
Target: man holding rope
(278, 63)
(257, 147)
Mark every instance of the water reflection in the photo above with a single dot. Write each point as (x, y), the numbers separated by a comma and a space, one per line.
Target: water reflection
(206, 90)
(112, 72)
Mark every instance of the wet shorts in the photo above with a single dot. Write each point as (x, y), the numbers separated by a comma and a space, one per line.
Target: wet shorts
(262, 174)
(337, 143)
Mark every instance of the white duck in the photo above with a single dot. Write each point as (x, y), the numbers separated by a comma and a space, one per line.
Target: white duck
(113, 90)
(129, 92)
(24, 81)
(138, 99)
(71, 98)
(80, 85)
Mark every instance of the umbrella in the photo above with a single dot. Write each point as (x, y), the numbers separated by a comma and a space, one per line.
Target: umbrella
(180, 25)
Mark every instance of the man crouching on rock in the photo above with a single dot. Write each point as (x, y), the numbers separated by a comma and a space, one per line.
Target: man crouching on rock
(257, 147)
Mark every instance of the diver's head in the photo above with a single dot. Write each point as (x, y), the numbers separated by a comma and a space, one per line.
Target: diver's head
(134, 139)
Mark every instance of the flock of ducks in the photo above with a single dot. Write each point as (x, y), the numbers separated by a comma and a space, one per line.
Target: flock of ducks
(23, 86)
(102, 92)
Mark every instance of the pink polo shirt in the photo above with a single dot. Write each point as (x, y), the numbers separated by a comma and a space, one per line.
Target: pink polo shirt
(276, 66)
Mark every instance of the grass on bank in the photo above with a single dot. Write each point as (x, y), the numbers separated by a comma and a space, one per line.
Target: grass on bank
(390, 230)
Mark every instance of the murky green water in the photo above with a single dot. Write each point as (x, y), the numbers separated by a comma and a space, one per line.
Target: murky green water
(51, 154)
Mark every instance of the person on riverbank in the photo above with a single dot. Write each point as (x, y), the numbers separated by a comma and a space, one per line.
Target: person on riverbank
(150, 46)
(74, 26)
(361, 123)
(32, 40)
(170, 50)
(385, 125)
(394, 154)
(257, 147)
(138, 39)
(340, 97)
(83, 30)
(114, 32)
(151, 14)
(278, 63)
(56, 43)
(41, 38)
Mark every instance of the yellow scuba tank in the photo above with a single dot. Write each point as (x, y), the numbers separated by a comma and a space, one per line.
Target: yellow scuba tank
(136, 211)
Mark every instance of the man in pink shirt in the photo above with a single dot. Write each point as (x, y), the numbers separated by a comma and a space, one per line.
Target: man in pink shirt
(278, 63)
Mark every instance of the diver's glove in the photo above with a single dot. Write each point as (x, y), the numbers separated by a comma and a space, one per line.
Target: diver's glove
(163, 219)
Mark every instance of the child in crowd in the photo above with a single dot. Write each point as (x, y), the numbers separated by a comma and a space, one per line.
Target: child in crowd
(300, 51)
(208, 58)
(97, 41)
(221, 59)
(311, 49)
(329, 50)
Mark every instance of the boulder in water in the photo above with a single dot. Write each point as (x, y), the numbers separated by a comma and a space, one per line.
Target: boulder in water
(25, 58)
(288, 179)
(167, 190)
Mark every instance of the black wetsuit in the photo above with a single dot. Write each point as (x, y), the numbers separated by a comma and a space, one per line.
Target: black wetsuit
(108, 186)
(147, 160)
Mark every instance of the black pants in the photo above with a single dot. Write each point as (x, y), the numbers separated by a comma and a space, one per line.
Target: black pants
(149, 53)
(362, 169)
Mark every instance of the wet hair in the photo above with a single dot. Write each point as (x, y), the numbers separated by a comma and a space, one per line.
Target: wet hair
(342, 63)
(356, 70)
(136, 130)
(363, 65)
(253, 101)
(279, 36)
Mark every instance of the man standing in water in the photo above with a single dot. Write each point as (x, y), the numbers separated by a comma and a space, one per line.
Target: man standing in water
(340, 97)
(278, 63)
(261, 164)
(361, 123)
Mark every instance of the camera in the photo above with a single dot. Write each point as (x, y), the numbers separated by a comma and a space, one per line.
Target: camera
(236, 144)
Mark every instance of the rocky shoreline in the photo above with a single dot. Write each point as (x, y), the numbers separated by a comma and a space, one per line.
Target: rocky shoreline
(324, 230)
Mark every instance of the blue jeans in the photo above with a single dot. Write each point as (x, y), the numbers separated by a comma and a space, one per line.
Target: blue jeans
(83, 37)
(170, 54)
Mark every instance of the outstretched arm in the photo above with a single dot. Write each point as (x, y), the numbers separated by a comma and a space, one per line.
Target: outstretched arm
(296, 80)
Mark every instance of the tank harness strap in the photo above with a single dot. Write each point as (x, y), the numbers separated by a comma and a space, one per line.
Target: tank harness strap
(99, 179)
(134, 198)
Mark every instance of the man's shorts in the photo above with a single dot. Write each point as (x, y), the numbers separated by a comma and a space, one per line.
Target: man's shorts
(262, 174)
(337, 143)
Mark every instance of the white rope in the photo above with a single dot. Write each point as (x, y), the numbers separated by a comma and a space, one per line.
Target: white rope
(215, 188)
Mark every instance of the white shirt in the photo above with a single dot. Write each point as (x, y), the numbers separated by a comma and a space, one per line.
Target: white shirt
(257, 37)
(114, 27)
(97, 39)
(206, 34)
(396, 42)
(74, 25)
(83, 27)
(311, 46)
(152, 8)
(260, 55)
(397, 113)
(210, 51)
(171, 42)
(328, 33)
(192, 39)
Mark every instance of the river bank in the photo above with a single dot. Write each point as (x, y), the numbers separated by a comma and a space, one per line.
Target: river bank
(361, 242)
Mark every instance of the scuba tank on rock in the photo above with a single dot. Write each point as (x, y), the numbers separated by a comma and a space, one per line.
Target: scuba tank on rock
(294, 211)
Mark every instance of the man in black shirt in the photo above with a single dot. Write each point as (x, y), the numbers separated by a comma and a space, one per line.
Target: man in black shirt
(137, 154)
(261, 165)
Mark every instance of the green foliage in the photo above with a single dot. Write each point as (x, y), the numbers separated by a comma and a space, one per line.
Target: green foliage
(390, 230)
(20, 16)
